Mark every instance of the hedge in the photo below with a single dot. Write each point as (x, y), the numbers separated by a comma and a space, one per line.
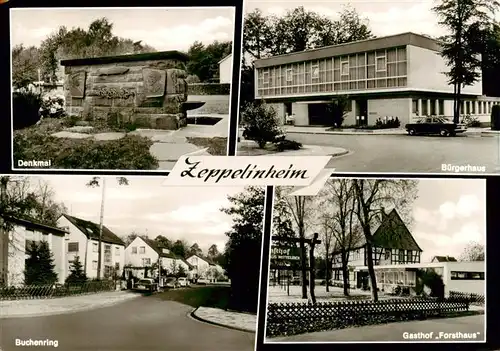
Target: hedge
(209, 89)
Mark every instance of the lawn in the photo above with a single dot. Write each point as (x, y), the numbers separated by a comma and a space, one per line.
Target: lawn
(217, 146)
(207, 296)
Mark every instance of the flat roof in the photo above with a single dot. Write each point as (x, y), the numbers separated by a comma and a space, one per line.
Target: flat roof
(161, 55)
(379, 43)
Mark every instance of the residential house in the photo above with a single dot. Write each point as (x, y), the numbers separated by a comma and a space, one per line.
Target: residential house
(393, 244)
(83, 241)
(14, 245)
(226, 70)
(443, 259)
(393, 76)
(143, 255)
(204, 267)
(396, 260)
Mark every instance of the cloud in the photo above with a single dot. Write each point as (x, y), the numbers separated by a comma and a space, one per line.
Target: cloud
(430, 218)
(470, 232)
(466, 206)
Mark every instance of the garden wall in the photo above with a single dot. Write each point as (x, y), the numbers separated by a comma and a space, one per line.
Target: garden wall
(209, 89)
(148, 90)
(214, 104)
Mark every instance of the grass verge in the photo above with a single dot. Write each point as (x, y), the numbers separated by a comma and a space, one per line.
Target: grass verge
(206, 296)
(217, 146)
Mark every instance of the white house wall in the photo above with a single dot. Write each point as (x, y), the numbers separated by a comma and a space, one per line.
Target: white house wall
(226, 71)
(17, 253)
(136, 260)
(422, 61)
(397, 107)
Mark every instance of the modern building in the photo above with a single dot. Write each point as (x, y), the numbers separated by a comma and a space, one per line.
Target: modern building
(397, 261)
(394, 76)
(144, 253)
(15, 244)
(83, 241)
(226, 70)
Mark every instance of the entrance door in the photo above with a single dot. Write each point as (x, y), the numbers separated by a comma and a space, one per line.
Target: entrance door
(362, 111)
(362, 280)
(318, 115)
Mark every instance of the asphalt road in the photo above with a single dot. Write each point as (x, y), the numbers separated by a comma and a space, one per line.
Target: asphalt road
(443, 330)
(145, 323)
(403, 153)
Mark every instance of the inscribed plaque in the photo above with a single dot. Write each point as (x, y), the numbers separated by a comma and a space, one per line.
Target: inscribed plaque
(154, 82)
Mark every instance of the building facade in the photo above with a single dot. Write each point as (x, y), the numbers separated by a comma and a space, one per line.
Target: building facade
(226, 70)
(83, 241)
(395, 76)
(22, 235)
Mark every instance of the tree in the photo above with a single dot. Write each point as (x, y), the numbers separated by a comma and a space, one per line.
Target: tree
(473, 252)
(39, 269)
(243, 249)
(338, 109)
(213, 252)
(204, 60)
(174, 268)
(302, 211)
(77, 274)
(180, 248)
(371, 196)
(195, 250)
(163, 242)
(340, 223)
(95, 182)
(181, 271)
(464, 19)
(257, 34)
(25, 65)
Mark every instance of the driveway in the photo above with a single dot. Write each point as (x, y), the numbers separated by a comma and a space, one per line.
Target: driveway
(145, 323)
(403, 153)
(470, 328)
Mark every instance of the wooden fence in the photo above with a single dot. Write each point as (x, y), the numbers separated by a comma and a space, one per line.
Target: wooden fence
(58, 290)
(473, 299)
(297, 318)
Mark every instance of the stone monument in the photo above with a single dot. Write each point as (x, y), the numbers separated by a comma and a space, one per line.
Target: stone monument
(148, 90)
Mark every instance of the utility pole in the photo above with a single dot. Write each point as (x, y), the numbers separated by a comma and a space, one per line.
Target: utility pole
(101, 219)
(4, 233)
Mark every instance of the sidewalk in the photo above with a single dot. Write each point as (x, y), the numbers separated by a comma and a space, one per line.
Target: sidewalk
(234, 320)
(246, 146)
(62, 305)
(391, 131)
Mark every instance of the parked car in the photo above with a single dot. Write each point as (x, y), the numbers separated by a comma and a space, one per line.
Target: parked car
(183, 281)
(146, 285)
(202, 281)
(435, 125)
(172, 282)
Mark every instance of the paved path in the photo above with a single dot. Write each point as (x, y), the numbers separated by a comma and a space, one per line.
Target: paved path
(43, 307)
(242, 321)
(448, 329)
(247, 148)
(146, 323)
(403, 153)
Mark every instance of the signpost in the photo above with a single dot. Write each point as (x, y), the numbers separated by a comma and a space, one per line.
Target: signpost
(283, 256)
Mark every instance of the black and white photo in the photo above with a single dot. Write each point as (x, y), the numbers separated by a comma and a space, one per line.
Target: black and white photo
(376, 85)
(379, 260)
(129, 262)
(119, 88)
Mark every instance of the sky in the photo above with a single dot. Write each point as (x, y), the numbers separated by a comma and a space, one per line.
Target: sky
(163, 29)
(448, 214)
(148, 207)
(386, 17)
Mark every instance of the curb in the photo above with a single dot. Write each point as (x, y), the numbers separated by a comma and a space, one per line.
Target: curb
(194, 316)
(340, 153)
(344, 133)
(82, 309)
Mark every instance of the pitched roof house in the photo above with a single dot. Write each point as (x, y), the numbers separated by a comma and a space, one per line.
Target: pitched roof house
(144, 252)
(443, 259)
(83, 241)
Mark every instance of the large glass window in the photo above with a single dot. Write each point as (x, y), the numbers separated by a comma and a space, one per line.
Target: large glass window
(379, 69)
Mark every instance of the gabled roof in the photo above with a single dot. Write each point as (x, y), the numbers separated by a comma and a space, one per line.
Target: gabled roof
(35, 225)
(91, 230)
(444, 259)
(159, 250)
(225, 58)
(206, 259)
(392, 233)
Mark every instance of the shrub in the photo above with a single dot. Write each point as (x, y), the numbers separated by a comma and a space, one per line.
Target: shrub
(26, 104)
(471, 121)
(283, 145)
(52, 107)
(338, 110)
(387, 123)
(495, 117)
(260, 123)
(130, 152)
